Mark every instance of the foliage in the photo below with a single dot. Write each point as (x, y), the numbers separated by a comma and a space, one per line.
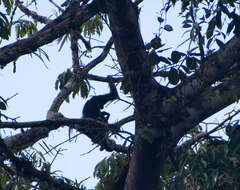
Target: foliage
(83, 86)
(93, 26)
(211, 163)
(108, 170)
(25, 27)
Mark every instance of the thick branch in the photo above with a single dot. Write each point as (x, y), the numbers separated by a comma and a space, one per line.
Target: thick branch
(218, 65)
(60, 26)
(130, 48)
(40, 129)
(101, 57)
(208, 103)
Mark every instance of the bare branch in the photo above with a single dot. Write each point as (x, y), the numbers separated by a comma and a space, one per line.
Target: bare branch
(94, 129)
(58, 7)
(55, 29)
(124, 121)
(101, 57)
(206, 134)
(75, 50)
(103, 79)
(32, 14)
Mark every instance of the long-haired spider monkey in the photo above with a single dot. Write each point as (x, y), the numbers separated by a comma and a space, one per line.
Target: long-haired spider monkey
(92, 108)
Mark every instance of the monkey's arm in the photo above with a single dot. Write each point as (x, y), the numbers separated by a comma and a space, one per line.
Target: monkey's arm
(101, 100)
(96, 103)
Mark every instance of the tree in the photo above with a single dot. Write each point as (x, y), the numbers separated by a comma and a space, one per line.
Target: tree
(201, 80)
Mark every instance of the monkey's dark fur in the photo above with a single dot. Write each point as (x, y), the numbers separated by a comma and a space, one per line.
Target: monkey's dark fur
(92, 108)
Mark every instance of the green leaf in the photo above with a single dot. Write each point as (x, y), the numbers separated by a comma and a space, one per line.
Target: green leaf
(9, 5)
(191, 63)
(93, 26)
(160, 19)
(219, 20)
(220, 44)
(164, 60)
(176, 56)
(153, 58)
(230, 27)
(185, 25)
(156, 42)
(85, 88)
(4, 27)
(3, 106)
(168, 28)
(211, 28)
(207, 12)
(173, 76)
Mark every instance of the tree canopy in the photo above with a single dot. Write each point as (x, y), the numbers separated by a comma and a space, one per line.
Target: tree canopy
(169, 92)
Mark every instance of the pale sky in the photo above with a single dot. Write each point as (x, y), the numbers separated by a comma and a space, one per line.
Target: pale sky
(35, 87)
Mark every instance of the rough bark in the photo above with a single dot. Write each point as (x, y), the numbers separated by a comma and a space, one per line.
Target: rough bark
(166, 118)
(144, 169)
(162, 118)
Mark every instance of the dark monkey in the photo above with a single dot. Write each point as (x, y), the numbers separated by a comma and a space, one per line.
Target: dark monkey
(92, 108)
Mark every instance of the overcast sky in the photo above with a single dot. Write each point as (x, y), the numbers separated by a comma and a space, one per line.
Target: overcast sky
(34, 84)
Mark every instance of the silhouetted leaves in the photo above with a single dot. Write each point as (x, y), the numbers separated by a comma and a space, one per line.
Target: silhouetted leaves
(168, 28)
(211, 28)
(191, 63)
(4, 27)
(173, 76)
(176, 56)
(220, 44)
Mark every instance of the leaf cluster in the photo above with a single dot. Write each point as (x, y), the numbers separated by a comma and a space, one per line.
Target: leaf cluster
(109, 169)
(83, 87)
(213, 165)
(93, 26)
(25, 27)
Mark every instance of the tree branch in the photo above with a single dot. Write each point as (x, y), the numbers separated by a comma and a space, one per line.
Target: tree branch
(94, 129)
(101, 57)
(55, 29)
(32, 14)
(216, 67)
(26, 170)
(208, 103)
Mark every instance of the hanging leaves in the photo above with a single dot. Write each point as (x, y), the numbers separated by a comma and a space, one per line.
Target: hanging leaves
(25, 27)
(8, 4)
(211, 27)
(219, 20)
(4, 27)
(83, 87)
(156, 42)
(220, 44)
(93, 26)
